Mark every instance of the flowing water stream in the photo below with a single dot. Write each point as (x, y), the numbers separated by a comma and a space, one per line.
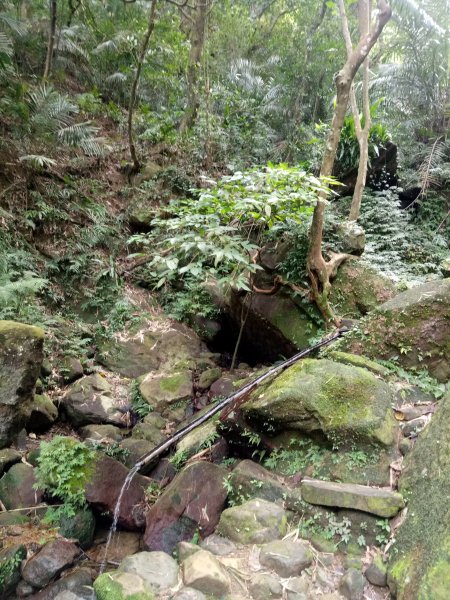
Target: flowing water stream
(112, 531)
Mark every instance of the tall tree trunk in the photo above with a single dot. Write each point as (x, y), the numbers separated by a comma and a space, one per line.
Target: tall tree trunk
(362, 133)
(137, 75)
(51, 40)
(321, 271)
(197, 36)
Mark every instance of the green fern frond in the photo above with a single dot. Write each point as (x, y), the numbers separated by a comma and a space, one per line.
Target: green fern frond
(12, 292)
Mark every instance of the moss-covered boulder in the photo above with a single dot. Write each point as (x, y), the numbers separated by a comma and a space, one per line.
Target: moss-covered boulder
(412, 328)
(358, 289)
(150, 429)
(21, 356)
(80, 527)
(122, 586)
(8, 457)
(382, 503)
(149, 346)
(419, 565)
(345, 404)
(163, 390)
(276, 324)
(254, 522)
(17, 487)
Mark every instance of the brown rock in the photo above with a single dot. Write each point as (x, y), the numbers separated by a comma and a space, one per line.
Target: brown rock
(49, 562)
(104, 487)
(193, 501)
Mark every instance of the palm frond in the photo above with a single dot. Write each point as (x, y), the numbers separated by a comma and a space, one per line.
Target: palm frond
(6, 49)
(17, 27)
(38, 161)
(106, 46)
(409, 12)
(50, 110)
(428, 176)
(83, 135)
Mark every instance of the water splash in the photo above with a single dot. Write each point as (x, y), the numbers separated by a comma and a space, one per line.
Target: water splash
(113, 528)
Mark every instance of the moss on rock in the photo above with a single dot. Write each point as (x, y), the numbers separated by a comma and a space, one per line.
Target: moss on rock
(419, 564)
(358, 289)
(347, 404)
(122, 586)
(413, 328)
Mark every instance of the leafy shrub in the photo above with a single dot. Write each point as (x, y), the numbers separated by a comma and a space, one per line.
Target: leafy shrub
(64, 467)
(347, 156)
(218, 234)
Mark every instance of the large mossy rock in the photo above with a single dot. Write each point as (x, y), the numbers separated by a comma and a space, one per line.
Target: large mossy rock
(43, 414)
(383, 503)
(358, 289)
(150, 346)
(10, 561)
(419, 565)
(21, 356)
(254, 522)
(122, 586)
(347, 405)
(413, 328)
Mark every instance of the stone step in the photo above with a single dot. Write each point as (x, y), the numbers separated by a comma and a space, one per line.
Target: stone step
(382, 503)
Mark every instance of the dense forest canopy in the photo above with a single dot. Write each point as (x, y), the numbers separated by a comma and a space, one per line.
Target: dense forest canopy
(203, 88)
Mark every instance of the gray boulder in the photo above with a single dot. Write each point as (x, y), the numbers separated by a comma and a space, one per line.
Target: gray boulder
(21, 356)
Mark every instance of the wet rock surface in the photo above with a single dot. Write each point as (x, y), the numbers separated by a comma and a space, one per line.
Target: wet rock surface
(193, 501)
(103, 489)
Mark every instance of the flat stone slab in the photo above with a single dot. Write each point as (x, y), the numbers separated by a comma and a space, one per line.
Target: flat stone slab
(382, 503)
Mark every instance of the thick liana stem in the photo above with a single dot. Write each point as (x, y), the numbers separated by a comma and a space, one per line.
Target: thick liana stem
(134, 87)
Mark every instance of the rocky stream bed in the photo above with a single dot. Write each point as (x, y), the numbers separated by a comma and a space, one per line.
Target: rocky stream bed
(331, 481)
